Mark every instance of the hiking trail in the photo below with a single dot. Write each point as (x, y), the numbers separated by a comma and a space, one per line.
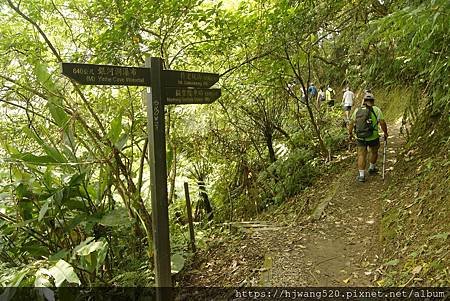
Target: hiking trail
(338, 245)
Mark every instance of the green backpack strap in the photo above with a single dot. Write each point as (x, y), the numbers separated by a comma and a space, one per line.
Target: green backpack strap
(376, 117)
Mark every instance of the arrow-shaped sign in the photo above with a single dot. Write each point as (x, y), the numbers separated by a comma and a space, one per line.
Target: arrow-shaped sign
(89, 74)
(176, 95)
(176, 78)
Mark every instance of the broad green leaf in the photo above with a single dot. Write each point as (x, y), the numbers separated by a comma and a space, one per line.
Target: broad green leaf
(33, 159)
(63, 271)
(92, 247)
(48, 177)
(44, 209)
(17, 279)
(36, 250)
(101, 256)
(393, 262)
(40, 278)
(54, 104)
(177, 263)
(58, 114)
(61, 254)
(76, 204)
(74, 222)
(44, 77)
(103, 181)
(116, 128)
(58, 196)
(50, 151)
(93, 255)
(116, 217)
(89, 262)
(77, 179)
(81, 245)
(25, 206)
(122, 141)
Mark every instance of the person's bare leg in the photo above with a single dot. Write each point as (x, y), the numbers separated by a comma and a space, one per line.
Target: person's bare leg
(373, 157)
(362, 152)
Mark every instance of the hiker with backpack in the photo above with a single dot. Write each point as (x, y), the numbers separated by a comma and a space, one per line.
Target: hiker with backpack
(365, 121)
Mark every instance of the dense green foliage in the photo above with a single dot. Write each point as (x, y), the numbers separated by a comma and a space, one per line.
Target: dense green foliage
(74, 194)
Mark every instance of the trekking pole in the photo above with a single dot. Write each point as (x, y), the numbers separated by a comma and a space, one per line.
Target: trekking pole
(384, 156)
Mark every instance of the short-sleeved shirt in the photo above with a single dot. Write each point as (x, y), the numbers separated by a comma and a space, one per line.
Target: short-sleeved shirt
(375, 121)
(321, 95)
(327, 95)
(348, 98)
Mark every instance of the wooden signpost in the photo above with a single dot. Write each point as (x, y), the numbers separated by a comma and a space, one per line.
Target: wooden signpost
(164, 87)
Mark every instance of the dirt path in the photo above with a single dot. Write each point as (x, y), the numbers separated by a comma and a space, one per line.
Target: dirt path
(339, 248)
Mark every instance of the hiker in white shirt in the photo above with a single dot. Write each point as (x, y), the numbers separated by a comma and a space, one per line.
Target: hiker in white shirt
(347, 102)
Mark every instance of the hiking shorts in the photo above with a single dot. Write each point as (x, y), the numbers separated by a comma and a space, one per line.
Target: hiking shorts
(347, 108)
(370, 143)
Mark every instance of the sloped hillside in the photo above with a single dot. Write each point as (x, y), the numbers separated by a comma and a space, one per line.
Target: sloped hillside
(415, 226)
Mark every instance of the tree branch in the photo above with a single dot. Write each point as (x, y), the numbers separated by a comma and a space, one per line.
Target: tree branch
(187, 46)
(28, 110)
(248, 61)
(59, 59)
(17, 10)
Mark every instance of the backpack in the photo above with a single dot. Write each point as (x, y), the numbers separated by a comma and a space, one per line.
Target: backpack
(363, 122)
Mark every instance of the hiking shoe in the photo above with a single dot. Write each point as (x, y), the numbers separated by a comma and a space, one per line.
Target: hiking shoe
(373, 171)
(360, 179)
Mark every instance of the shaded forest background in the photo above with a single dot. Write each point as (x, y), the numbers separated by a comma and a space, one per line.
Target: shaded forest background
(74, 178)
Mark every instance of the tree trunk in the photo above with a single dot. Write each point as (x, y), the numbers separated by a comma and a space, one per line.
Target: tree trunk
(269, 142)
(323, 149)
(205, 200)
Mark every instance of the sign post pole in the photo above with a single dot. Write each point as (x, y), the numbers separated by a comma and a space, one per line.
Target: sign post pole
(158, 170)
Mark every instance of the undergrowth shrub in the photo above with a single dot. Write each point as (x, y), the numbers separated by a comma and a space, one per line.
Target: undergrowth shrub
(285, 178)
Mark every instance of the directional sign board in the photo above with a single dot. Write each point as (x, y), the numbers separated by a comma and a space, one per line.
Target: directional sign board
(88, 74)
(176, 78)
(165, 87)
(178, 96)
